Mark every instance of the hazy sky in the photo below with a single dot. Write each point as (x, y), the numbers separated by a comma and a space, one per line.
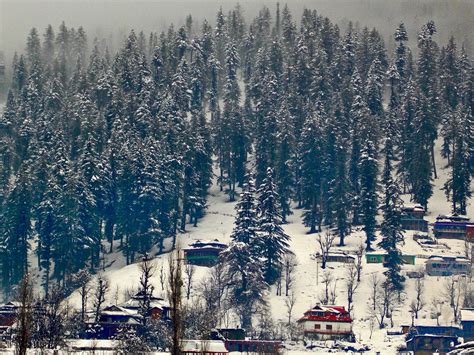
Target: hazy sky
(105, 16)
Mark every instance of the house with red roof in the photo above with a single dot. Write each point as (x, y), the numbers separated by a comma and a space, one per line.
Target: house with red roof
(327, 323)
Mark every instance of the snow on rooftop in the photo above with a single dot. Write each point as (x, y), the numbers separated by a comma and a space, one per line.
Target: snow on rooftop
(467, 314)
(201, 346)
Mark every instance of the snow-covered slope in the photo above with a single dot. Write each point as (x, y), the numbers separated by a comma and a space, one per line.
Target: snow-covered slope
(218, 224)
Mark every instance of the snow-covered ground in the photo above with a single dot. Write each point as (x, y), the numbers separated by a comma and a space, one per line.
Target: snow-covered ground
(218, 223)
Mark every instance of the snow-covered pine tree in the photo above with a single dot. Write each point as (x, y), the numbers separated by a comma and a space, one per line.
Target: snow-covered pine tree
(391, 228)
(310, 160)
(272, 240)
(457, 187)
(246, 220)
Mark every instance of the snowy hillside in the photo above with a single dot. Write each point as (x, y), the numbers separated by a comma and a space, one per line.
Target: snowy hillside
(218, 224)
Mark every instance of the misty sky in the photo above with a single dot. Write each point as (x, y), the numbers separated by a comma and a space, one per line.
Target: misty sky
(102, 17)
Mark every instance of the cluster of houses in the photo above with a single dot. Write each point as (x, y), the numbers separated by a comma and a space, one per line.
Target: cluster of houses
(452, 226)
(114, 317)
(426, 336)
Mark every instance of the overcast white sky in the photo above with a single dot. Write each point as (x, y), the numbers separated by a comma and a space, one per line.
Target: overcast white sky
(106, 16)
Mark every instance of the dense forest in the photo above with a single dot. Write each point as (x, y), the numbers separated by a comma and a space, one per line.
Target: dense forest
(106, 151)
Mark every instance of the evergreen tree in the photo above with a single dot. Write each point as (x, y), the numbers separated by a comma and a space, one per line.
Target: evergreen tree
(391, 229)
(310, 155)
(272, 240)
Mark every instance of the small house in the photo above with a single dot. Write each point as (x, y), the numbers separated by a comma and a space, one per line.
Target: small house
(159, 308)
(253, 346)
(340, 257)
(327, 323)
(379, 258)
(413, 218)
(114, 317)
(453, 227)
(447, 265)
(228, 334)
(428, 326)
(203, 347)
(427, 344)
(204, 253)
(236, 341)
(8, 315)
(467, 324)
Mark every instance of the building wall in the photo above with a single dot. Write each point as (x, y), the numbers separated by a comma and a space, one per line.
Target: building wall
(310, 326)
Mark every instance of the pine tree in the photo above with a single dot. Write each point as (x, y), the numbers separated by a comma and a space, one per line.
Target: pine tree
(272, 240)
(310, 157)
(391, 229)
(246, 221)
(458, 184)
(421, 163)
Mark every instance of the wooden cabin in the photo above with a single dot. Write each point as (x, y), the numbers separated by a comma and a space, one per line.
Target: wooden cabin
(413, 218)
(114, 317)
(379, 258)
(254, 346)
(428, 344)
(338, 258)
(453, 227)
(204, 252)
(467, 324)
(327, 323)
(447, 265)
(428, 326)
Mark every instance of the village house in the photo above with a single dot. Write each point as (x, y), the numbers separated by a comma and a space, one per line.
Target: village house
(114, 317)
(327, 323)
(447, 265)
(8, 313)
(467, 324)
(379, 258)
(235, 341)
(204, 252)
(338, 257)
(453, 227)
(428, 344)
(428, 326)
(413, 218)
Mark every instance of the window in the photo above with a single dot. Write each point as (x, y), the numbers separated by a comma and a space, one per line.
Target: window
(317, 326)
(329, 326)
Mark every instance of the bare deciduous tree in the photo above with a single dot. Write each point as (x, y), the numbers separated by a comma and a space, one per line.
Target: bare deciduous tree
(289, 265)
(351, 285)
(453, 293)
(469, 253)
(83, 279)
(358, 261)
(175, 286)
(328, 295)
(24, 315)
(49, 320)
(100, 292)
(189, 271)
(214, 290)
(418, 303)
(147, 269)
(325, 241)
(290, 302)
(162, 277)
(374, 286)
(436, 309)
(385, 298)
